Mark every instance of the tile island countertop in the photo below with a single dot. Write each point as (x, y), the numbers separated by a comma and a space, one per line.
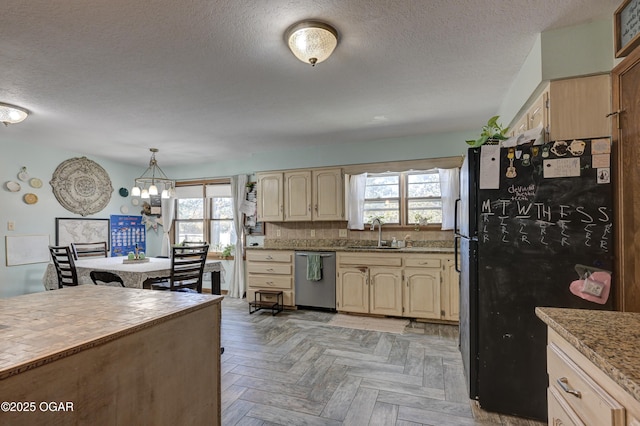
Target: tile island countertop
(608, 339)
(40, 328)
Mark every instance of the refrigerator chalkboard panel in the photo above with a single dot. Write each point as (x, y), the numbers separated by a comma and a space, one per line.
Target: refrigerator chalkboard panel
(532, 232)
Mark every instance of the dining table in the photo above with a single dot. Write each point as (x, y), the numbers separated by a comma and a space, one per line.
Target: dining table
(134, 274)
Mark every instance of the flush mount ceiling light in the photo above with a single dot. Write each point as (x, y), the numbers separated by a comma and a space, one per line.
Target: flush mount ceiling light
(311, 41)
(11, 114)
(153, 177)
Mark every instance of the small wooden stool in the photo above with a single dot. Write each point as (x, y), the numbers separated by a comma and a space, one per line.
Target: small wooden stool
(258, 303)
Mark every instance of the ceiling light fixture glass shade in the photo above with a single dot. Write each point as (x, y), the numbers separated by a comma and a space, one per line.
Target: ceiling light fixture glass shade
(152, 178)
(11, 114)
(311, 41)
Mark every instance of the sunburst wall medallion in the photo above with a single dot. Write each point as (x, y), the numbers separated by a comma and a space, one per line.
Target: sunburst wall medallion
(81, 186)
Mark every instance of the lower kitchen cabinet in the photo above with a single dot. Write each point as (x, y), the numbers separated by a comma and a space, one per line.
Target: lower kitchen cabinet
(385, 291)
(369, 283)
(422, 293)
(412, 285)
(270, 270)
(578, 392)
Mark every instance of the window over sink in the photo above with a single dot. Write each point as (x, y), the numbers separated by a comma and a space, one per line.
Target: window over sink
(404, 198)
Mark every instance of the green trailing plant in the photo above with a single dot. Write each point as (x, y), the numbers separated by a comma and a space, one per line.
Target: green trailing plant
(491, 131)
(226, 252)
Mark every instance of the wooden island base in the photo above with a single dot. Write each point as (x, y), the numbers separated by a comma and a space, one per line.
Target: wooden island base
(156, 362)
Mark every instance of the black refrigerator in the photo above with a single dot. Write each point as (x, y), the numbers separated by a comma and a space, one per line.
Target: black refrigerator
(531, 222)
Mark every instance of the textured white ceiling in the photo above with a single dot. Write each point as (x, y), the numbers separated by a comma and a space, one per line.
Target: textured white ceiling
(208, 80)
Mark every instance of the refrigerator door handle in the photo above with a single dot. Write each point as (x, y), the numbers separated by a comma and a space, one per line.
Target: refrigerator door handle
(455, 217)
(456, 240)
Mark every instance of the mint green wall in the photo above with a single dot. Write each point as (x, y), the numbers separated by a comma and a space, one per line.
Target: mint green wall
(426, 146)
(39, 218)
(578, 50)
(566, 52)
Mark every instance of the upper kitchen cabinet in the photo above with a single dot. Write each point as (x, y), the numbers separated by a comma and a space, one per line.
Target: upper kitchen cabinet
(328, 194)
(270, 197)
(302, 195)
(573, 108)
(578, 108)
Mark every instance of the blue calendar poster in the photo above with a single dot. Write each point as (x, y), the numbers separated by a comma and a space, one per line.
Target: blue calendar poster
(126, 233)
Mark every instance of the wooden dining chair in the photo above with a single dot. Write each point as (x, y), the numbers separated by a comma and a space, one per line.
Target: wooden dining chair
(97, 249)
(187, 267)
(65, 266)
(105, 278)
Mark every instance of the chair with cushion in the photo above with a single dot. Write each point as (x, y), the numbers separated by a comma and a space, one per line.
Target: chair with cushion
(105, 277)
(89, 249)
(65, 266)
(187, 267)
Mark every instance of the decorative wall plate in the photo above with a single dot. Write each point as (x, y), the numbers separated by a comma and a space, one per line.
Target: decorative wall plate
(124, 209)
(30, 198)
(81, 186)
(135, 201)
(12, 186)
(23, 175)
(124, 192)
(35, 183)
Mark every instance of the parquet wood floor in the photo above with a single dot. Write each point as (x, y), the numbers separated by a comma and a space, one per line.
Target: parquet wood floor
(293, 369)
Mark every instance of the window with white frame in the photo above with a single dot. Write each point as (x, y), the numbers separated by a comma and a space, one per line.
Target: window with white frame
(403, 198)
(204, 212)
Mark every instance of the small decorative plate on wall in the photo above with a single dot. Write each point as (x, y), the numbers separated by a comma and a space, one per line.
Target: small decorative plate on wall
(81, 186)
(30, 198)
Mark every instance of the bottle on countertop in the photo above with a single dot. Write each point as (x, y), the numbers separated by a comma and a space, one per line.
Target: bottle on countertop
(394, 242)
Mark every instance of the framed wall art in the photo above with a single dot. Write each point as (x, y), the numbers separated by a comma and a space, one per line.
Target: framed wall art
(76, 230)
(626, 24)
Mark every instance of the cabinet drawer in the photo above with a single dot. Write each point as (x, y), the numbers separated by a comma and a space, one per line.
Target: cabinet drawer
(422, 262)
(560, 414)
(269, 256)
(589, 401)
(372, 260)
(269, 268)
(270, 281)
(286, 295)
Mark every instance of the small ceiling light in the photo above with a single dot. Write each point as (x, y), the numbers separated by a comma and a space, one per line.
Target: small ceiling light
(152, 177)
(311, 41)
(11, 114)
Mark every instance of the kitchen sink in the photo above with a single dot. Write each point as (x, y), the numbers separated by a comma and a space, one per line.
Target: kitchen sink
(373, 247)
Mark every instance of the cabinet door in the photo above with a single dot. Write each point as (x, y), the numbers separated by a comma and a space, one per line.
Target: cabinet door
(538, 112)
(352, 293)
(521, 126)
(578, 108)
(422, 293)
(297, 196)
(450, 291)
(328, 194)
(385, 291)
(270, 200)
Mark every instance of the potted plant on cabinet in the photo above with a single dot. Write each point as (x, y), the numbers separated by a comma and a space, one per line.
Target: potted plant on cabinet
(492, 131)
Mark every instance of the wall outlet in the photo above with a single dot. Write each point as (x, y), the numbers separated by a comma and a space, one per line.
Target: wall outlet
(278, 233)
(313, 232)
(11, 226)
(342, 233)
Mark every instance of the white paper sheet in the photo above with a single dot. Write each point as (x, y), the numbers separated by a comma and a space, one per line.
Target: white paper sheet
(561, 167)
(490, 167)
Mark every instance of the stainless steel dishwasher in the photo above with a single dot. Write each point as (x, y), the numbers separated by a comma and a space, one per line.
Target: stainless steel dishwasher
(316, 294)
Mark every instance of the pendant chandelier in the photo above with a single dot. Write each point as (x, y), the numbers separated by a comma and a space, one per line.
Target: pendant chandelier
(153, 180)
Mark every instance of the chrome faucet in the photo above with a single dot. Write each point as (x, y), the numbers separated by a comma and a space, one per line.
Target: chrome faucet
(373, 228)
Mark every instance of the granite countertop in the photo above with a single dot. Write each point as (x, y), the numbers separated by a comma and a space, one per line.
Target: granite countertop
(39, 328)
(359, 249)
(609, 339)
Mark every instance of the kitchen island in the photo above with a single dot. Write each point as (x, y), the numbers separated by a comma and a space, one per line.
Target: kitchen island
(107, 355)
(593, 361)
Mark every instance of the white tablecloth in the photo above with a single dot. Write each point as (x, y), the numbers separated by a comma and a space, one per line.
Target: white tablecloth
(133, 274)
